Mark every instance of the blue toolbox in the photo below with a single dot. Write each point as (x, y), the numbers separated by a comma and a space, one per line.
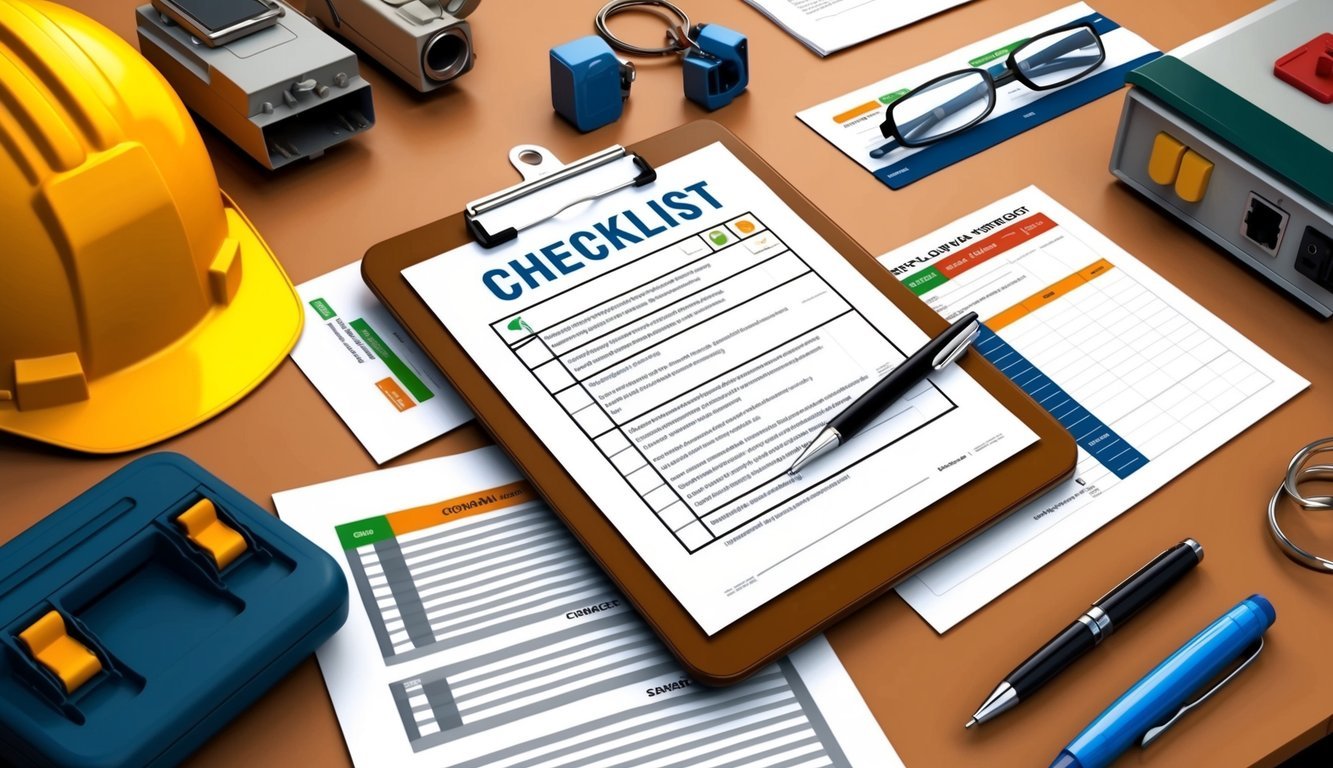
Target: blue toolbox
(141, 617)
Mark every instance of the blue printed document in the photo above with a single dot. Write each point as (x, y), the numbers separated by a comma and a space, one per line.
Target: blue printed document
(1146, 380)
(851, 122)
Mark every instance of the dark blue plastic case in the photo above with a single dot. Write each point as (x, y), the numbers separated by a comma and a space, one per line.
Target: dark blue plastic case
(183, 647)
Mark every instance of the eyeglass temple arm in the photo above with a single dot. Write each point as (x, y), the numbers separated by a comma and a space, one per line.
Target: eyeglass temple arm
(1069, 62)
(950, 107)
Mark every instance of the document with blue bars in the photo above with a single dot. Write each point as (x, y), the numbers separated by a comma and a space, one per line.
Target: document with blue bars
(1147, 381)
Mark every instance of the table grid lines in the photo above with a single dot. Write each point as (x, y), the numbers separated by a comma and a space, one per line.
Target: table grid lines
(573, 375)
(1151, 378)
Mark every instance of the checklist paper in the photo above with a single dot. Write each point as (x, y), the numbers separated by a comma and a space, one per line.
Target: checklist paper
(678, 345)
(481, 635)
(1146, 380)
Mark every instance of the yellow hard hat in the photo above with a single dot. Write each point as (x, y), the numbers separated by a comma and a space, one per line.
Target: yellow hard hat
(136, 300)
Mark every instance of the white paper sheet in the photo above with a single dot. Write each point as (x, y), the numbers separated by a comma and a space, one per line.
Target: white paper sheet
(389, 412)
(678, 345)
(1147, 378)
(480, 635)
(826, 26)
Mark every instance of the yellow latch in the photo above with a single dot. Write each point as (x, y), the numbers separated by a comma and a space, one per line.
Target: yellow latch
(1195, 172)
(1164, 162)
(51, 645)
(215, 537)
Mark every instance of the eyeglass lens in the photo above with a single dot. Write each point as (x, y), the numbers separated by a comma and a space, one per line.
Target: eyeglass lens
(941, 108)
(1060, 57)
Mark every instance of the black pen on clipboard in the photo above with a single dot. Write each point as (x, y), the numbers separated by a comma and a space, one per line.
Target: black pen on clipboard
(936, 354)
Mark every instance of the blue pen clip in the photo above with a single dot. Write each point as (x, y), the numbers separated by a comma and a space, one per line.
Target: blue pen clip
(717, 66)
(1155, 732)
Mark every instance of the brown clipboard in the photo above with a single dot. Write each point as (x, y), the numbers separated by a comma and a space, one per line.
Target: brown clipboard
(782, 624)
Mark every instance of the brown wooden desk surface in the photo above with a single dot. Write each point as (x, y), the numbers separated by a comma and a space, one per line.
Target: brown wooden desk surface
(427, 156)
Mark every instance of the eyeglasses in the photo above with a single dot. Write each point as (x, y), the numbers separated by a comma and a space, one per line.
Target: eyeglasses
(953, 103)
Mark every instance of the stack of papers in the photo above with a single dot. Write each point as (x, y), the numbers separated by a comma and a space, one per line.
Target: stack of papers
(826, 26)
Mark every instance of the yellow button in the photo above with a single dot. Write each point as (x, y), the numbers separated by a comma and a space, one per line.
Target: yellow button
(215, 537)
(49, 643)
(1192, 183)
(1164, 162)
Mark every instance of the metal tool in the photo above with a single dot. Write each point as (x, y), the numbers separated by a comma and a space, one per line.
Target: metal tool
(1298, 472)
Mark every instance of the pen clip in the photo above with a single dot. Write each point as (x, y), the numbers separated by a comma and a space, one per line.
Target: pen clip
(1153, 733)
(957, 346)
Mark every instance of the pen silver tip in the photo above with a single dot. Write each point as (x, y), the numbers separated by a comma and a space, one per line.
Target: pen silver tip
(971, 723)
(825, 441)
(1001, 699)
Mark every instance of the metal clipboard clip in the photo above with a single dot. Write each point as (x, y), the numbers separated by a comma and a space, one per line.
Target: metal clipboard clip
(550, 187)
(1156, 732)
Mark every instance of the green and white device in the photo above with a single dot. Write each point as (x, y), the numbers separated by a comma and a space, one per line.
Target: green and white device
(1233, 134)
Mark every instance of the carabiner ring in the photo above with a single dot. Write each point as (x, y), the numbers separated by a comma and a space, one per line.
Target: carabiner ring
(1297, 472)
(1289, 483)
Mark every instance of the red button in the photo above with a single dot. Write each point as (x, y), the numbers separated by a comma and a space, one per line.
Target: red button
(1310, 68)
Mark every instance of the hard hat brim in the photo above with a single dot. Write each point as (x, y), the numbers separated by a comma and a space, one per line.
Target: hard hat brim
(229, 353)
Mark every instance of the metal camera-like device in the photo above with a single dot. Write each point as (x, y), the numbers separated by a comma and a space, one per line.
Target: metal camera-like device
(427, 43)
(270, 80)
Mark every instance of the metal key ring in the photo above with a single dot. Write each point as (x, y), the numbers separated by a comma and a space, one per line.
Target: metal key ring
(616, 6)
(1303, 455)
(1289, 548)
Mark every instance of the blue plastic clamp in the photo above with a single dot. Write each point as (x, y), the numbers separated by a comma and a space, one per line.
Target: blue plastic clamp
(589, 84)
(717, 66)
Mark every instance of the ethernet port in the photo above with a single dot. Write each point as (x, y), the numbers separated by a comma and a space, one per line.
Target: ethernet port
(1314, 258)
(1264, 223)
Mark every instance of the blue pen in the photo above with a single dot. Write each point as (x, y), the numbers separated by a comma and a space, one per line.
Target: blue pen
(1154, 704)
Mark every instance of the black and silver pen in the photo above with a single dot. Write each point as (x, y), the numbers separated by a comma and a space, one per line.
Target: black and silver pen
(933, 356)
(1089, 630)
